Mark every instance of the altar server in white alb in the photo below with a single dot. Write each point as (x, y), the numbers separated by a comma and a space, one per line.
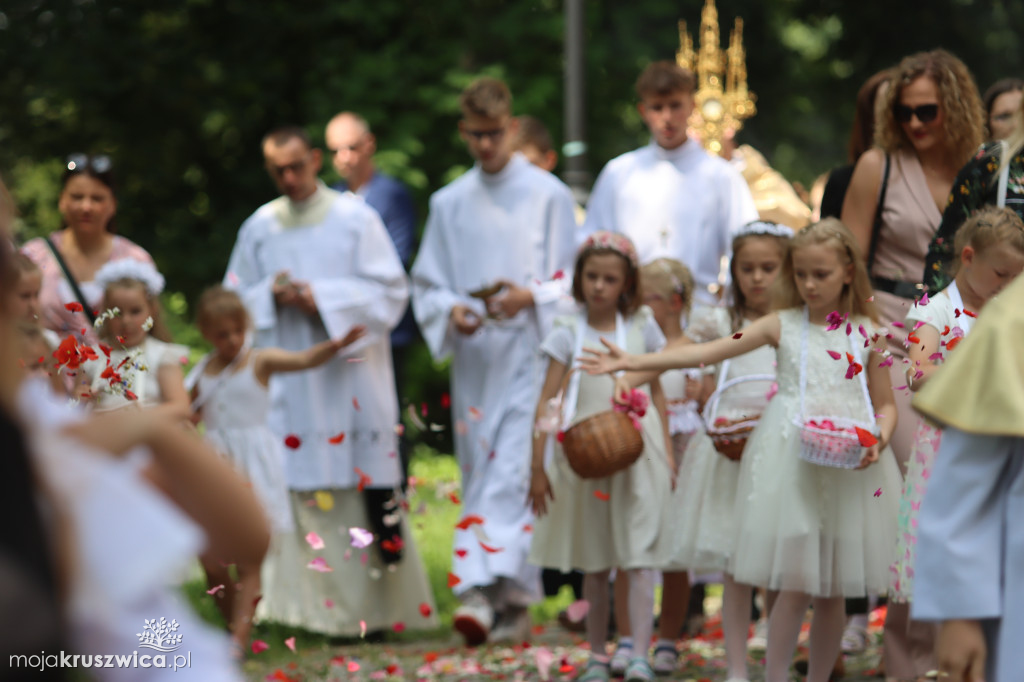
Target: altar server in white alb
(970, 545)
(672, 198)
(311, 265)
(494, 265)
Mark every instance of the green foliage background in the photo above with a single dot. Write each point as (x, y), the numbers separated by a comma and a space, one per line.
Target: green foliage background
(179, 92)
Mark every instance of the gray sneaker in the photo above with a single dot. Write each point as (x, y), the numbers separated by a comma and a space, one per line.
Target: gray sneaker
(639, 670)
(512, 626)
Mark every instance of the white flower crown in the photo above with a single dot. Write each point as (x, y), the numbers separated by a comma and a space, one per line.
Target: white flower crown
(763, 227)
(128, 268)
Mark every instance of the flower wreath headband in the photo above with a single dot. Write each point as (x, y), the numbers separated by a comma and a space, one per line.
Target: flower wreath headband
(127, 268)
(765, 228)
(620, 243)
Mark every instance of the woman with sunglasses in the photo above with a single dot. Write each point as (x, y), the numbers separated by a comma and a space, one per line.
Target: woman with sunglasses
(70, 257)
(930, 123)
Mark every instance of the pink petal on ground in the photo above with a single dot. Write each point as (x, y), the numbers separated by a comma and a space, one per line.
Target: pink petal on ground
(314, 540)
(360, 537)
(319, 564)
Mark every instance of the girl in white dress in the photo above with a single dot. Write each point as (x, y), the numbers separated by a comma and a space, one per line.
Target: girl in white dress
(991, 248)
(229, 390)
(705, 500)
(136, 363)
(816, 533)
(595, 525)
(668, 291)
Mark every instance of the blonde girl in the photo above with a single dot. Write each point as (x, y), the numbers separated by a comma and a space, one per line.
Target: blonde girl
(230, 396)
(595, 525)
(991, 248)
(814, 533)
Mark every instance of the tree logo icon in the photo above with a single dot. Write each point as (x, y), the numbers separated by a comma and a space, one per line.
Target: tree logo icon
(159, 635)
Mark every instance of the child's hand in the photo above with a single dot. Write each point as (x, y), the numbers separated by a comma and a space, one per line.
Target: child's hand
(870, 456)
(540, 492)
(354, 334)
(961, 650)
(621, 391)
(598, 362)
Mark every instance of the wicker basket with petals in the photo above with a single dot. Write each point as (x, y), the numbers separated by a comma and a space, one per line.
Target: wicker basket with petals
(602, 444)
(729, 436)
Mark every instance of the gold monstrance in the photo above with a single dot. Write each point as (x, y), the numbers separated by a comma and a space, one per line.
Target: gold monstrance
(722, 99)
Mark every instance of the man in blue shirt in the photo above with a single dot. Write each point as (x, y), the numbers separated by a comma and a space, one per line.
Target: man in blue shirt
(352, 146)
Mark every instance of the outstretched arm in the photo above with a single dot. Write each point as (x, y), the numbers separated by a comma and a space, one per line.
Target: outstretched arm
(274, 360)
(763, 331)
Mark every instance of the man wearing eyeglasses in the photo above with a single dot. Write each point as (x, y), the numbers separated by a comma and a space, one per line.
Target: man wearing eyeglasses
(311, 265)
(352, 145)
(485, 288)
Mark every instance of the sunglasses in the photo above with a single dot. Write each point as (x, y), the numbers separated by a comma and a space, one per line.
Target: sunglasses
(79, 163)
(926, 113)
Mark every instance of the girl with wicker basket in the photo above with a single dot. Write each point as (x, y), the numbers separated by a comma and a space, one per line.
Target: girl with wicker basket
(814, 519)
(991, 248)
(703, 505)
(600, 502)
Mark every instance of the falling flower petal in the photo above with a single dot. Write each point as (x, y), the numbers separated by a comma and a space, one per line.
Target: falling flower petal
(578, 610)
(336, 440)
(329, 603)
(259, 646)
(866, 438)
(446, 401)
(398, 627)
(453, 580)
(491, 550)
(878, 493)
(364, 480)
(314, 540)
(475, 414)
(324, 500)
(215, 590)
(470, 520)
(319, 565)
(461, 553)
(454, 497)
(601, 495)
(292, 442)
(290, 643)
(355, 403)
(362, 633)
(425, 610)
(835, 355)
(74, 307)
(952, 343)
(361, 538)
(737, 335)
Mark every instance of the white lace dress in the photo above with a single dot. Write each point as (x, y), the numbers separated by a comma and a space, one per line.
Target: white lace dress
(235, 415)
(703, 505)
(804, 527)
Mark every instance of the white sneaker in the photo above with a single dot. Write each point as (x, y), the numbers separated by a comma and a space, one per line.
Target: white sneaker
(512, 626)
(474, 618)
(855, 639)
(759, 640)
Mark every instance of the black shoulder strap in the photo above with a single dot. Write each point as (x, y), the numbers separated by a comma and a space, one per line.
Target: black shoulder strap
(876, 227)
(86, 308)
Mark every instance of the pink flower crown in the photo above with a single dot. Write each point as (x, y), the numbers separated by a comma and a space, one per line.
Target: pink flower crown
(620, 243)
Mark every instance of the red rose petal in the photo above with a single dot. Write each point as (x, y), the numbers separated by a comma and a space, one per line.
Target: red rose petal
(292, 442)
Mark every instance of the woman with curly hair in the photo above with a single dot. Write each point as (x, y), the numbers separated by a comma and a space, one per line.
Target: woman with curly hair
(930, 123)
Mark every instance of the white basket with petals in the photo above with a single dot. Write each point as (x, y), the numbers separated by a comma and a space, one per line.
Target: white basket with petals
(833, 441)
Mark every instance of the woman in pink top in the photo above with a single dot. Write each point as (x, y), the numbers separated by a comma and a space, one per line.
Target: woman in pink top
(86, 242)
(930, 123)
